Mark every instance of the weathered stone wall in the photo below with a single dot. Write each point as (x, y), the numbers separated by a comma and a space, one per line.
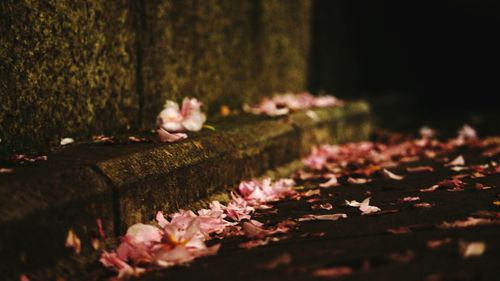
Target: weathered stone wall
(66, 68)
(75, 68)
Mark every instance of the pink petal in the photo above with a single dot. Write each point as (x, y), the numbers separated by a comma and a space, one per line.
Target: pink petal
(100, 229)
(433, 244)
(472, 249)
(469, 222)
(177, 255)
(427, 133)
(161, 219)
(365, 207)
(410, 199)
(165, 136)
(430, 189)
(358, 180)
(331, 182)
(333, 272)
(6, 170)
(423, 205)
(389, 174)
(419, 169)
(72, 241)
(459, 161)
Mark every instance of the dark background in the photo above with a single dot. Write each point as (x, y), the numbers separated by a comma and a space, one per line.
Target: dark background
(417, 62)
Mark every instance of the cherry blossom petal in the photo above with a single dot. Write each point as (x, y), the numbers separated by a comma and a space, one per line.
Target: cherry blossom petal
(390, 175)
(472, 249)
(358, 181)
(332, 272)
(459, 161)
(331, 182)
(72, 241)
(192, 117)
(469, 222)
(410, 199)
(430, 189)
(433, 244)
(165, 136)
(66, 141)
(419, 169)
(170, 117)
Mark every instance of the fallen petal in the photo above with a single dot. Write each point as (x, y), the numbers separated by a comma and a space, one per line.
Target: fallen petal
(332, 272)
(165, 136)
(459, 161)
(430, 189)
(331, 182)
(472, 249)
(423, 205)
(419, 169)
(358, 180)
(72, 241)
(66, 141)
(433, 244)
(390, 175)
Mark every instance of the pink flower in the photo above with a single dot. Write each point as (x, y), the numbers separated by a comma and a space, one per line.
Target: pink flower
(181, 245)
(189, 236)
(172, 120)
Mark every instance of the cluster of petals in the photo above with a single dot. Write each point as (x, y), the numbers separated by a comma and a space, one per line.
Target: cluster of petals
(181, 237)
(177, 241)
(282, 104)
(259, 192)
(173, 120)
(335, 158)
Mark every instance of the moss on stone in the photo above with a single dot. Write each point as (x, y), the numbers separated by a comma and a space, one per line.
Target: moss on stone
(67, 68)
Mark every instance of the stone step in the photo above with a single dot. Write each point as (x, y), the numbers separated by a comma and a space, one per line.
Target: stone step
(125, 184)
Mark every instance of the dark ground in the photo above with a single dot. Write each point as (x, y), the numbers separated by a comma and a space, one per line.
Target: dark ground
(362, 242)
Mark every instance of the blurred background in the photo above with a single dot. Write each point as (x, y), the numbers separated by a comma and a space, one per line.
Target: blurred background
(417, 62)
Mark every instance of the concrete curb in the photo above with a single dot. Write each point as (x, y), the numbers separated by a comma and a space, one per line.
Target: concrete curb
(123, 185)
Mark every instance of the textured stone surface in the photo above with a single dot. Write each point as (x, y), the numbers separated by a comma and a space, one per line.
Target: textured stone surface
(38, 207)
(68, 67)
